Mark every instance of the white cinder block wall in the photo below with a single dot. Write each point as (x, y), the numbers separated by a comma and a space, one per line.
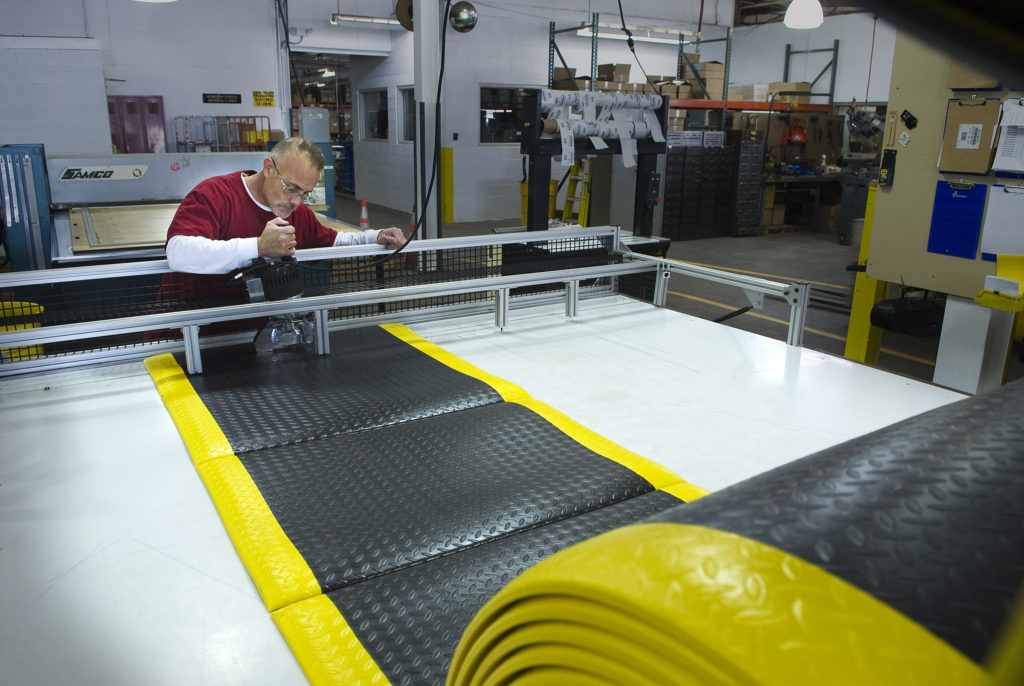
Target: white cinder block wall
(511, 49)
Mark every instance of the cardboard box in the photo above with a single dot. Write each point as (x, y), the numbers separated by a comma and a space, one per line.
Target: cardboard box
(613, 72)
(608, 86)
(669, 89)
(773, 216)
(780, 86)
(676, 113)
(713, 70)
(741, 92)
(563, 74)
(967, 140)
(684, 91)
(828, 217)
(711, 89)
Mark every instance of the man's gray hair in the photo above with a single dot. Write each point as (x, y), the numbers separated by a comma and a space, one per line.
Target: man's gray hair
(298, 146)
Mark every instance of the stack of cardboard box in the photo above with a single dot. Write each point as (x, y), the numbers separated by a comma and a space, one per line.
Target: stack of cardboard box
(781, 86)
(711, 83)
(676, 119)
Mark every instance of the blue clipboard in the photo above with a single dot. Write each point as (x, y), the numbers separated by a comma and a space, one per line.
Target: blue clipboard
(956, 219)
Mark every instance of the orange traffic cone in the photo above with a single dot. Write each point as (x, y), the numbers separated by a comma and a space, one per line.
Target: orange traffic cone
(364, 217)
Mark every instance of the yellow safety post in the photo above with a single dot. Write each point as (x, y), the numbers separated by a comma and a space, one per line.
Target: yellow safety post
(447, 185)
(524, 199)
(862, 339)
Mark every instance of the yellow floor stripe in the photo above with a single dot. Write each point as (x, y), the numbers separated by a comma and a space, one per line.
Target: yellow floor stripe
(807, 329)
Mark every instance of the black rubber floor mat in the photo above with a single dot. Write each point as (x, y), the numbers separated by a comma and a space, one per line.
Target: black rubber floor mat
(370, 379)
(366, 503)
(927, 515)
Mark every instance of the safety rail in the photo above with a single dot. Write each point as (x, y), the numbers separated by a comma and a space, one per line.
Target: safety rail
(796, 294)
(490, 292)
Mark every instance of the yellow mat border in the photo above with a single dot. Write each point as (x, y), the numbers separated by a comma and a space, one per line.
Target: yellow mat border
(506, 389)
(313, 626)
(658, 476)
(199, 430)
(764, 615)
(325, 646)
(277, 568)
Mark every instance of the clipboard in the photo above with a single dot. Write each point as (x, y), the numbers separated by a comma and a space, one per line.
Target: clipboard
(969, 135)
(1009, 157)
(1003, 232)
(956, 219)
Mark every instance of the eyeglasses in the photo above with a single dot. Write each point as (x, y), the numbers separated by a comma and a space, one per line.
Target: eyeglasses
(290, 189)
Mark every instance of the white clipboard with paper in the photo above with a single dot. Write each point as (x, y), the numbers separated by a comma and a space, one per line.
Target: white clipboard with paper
(1003, 230)
(1009, 157)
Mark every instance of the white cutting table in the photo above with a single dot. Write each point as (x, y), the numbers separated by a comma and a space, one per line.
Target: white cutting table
(115, 568)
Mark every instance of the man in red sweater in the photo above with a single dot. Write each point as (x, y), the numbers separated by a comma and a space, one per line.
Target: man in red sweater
(227, 221)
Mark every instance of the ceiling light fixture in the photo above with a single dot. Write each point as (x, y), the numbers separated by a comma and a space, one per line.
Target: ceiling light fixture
(587, 33)
(366, 22)
(804, 14)
(327, 73)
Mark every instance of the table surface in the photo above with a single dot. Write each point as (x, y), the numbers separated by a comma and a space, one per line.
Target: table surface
(117, 569)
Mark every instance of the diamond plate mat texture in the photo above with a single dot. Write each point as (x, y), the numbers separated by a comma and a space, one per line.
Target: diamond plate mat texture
(410, 620)
(410, 485)
(926, 515)
(370, 379)
(365, 503)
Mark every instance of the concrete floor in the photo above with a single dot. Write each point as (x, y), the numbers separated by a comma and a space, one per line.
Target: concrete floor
(815, 257)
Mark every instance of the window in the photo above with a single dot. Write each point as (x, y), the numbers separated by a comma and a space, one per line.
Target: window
(500, 114)
(408, 96)
(375, 114)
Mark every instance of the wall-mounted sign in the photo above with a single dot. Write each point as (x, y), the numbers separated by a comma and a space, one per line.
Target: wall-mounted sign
(223, 98)
(263, 98)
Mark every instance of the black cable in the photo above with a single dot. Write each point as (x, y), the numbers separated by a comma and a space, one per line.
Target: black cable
(282, 13)
(6, 260)
(435, 163)
(632, 48)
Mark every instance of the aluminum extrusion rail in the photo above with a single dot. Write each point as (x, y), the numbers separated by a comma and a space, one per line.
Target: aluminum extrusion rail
(796, 294)
(190, 320)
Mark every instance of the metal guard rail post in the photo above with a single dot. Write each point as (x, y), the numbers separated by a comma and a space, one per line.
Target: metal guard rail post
(796, 295)
(189, 318)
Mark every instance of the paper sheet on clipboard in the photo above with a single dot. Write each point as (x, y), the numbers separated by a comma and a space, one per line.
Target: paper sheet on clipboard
(1003, 231)
(1010, 150)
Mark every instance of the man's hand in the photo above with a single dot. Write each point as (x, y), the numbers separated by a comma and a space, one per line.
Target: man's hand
(277, 239)
(391, 238)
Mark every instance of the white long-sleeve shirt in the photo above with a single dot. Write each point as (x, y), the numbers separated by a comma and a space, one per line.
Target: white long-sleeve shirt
(200, 255)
